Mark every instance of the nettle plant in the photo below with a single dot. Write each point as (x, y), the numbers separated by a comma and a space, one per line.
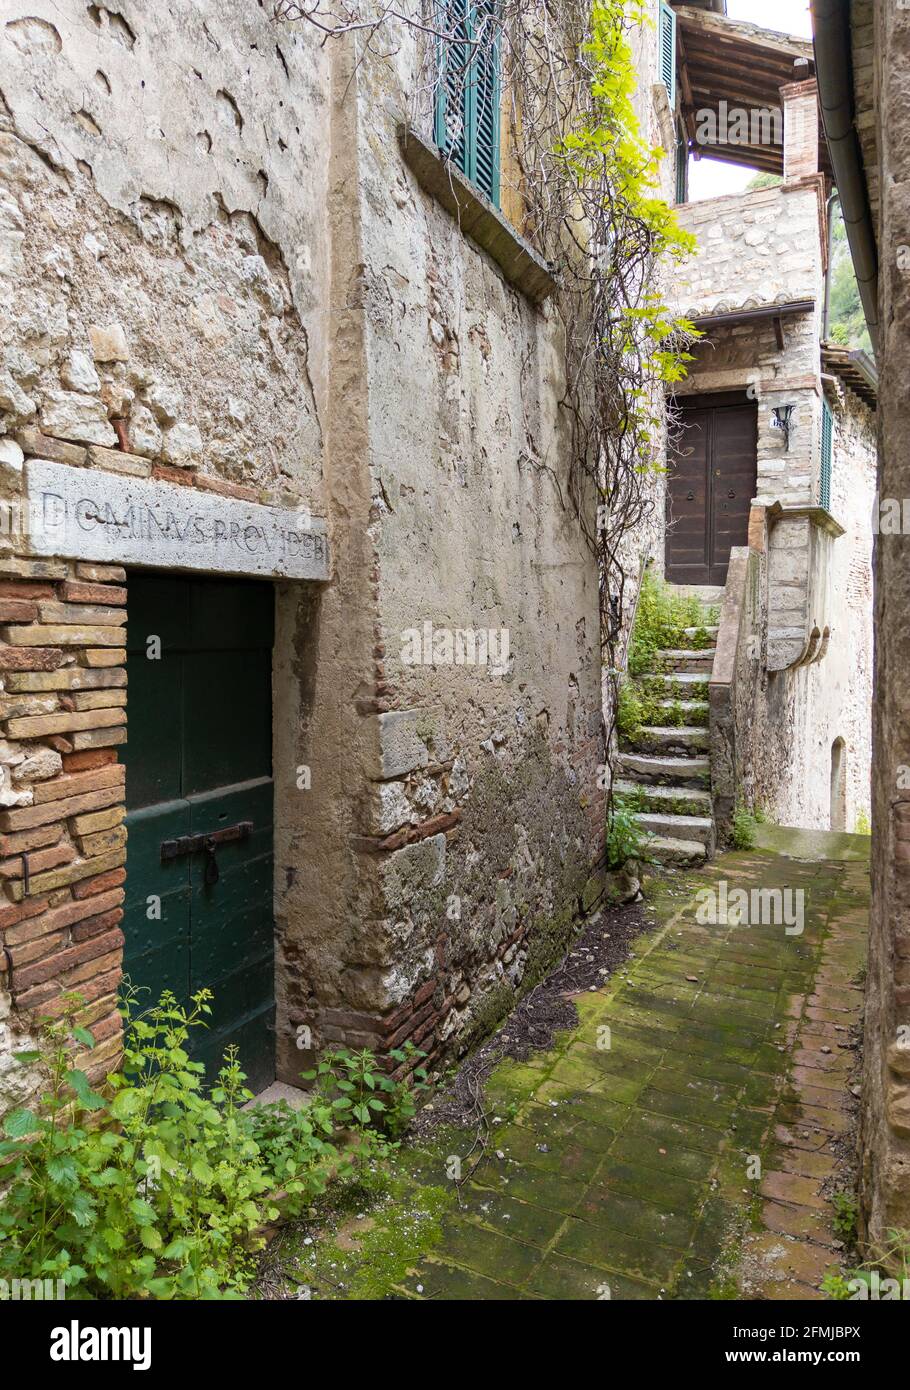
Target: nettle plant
(160, 1186)
(584, 189)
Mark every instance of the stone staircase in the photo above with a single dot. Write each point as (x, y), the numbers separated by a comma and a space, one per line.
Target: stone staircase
(665, 769)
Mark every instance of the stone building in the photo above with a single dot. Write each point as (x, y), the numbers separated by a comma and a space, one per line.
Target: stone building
(290, 594)
(299, 629)
(862, 52)
(771, 463)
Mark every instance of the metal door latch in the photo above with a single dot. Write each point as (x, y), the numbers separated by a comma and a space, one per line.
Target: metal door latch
(207, 845)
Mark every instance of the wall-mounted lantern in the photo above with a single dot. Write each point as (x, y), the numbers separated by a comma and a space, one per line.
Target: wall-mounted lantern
(782, 419)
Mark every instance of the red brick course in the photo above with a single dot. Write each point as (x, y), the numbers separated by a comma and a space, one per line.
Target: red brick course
(66, 935)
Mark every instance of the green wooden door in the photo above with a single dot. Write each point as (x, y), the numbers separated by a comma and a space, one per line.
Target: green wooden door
(199, 762)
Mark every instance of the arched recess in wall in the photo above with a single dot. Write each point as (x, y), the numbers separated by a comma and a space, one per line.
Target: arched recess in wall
(838, 785)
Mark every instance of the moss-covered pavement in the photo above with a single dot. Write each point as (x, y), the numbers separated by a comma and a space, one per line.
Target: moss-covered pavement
(680, 1142)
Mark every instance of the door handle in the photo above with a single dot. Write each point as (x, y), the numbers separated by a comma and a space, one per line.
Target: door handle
(690, 496)
(207, 845)
(731, 494)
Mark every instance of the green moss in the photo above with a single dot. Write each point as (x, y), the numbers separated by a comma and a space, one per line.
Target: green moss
(492, 1007)
(365, 1248)
(661, 624)
(724, 1288)
(547, 945)
(744, 828)
(672, 806)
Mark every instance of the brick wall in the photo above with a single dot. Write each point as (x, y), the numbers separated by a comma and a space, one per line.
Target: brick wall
(800, 128)
(62, 838)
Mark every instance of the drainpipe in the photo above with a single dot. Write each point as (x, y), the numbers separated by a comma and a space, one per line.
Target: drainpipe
(833, 62)
(829, 223)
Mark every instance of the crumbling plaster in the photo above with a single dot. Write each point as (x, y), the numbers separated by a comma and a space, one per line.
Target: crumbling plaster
(179, 207)
(473, 528)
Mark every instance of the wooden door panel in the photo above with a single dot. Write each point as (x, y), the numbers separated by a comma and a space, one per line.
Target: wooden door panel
(199, 761)
(710, 489)
(687, 497)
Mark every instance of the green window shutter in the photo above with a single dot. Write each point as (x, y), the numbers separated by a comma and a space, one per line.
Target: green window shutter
(451, 126)
(824, 480)
(468, 94)
(484, 98)
(667, 50)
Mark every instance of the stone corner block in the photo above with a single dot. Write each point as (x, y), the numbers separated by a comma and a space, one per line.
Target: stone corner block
(402, 744)
(415, 869)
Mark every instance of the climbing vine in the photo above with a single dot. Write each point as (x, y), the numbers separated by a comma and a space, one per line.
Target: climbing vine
(583, 184)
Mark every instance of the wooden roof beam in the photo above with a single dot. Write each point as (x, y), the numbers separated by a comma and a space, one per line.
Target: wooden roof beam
(688, 105)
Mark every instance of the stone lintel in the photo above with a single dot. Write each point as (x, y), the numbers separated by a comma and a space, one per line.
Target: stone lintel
(86, 514)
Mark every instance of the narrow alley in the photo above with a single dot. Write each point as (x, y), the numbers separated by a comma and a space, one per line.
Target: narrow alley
(682, 1141)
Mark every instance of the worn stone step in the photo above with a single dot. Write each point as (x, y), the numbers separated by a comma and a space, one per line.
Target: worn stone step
(689, 712)
(655, 770)
(681, 854)
(665, 739)
(691, 684)
(671, 660)
(691, 632)
(681, 801)
(698, 828)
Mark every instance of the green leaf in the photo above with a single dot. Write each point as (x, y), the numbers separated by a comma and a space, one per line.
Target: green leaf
(125, 1104)
(177, 1248)
(162, 1288)
(82, 1209)
(19, 1123)
(143, 1211)
(84, 1036)
(80, 1084)
(62, 1170)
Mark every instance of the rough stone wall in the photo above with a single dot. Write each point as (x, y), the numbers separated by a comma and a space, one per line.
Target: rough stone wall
(799, 713)
(485, 816)
(839, 688)
(886, 1080)
(757, 249)
(863, 41)
(162, 236)
(760, 248)
(734, 687)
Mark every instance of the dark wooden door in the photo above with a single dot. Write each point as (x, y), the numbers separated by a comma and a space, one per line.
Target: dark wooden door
(712, 482)
(199, 761)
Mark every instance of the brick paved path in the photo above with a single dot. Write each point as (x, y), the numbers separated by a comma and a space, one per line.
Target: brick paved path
(680, 1154)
